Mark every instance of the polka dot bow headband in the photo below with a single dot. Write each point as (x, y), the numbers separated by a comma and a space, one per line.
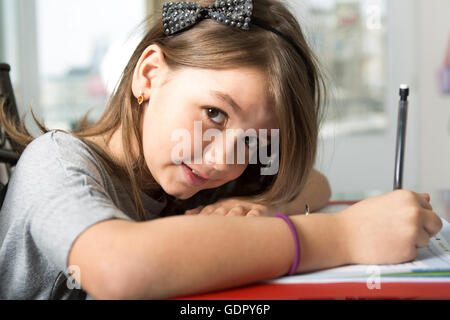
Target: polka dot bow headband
(236, 14)
(178, 16)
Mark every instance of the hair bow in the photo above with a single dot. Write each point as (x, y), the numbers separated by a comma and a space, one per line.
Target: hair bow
(177, 16)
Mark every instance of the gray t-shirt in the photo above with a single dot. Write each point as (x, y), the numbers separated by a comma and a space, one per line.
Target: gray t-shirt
(58, 189)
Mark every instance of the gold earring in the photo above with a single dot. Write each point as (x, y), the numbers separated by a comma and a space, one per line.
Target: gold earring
(140, 98)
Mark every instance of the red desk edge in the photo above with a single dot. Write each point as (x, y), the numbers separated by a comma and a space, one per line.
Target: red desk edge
(327, 291)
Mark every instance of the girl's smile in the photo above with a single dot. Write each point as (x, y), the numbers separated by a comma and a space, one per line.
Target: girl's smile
(192, 176)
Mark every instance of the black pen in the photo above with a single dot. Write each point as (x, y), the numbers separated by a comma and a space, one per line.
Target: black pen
(401, 134)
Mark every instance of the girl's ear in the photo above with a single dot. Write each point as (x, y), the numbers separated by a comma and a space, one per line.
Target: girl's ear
(148, 72)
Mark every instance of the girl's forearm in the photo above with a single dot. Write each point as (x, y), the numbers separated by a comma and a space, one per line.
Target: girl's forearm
(321, 239)
(198, 254)
(178, 256)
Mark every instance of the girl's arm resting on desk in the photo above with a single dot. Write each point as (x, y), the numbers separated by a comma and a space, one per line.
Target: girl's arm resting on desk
(185, 255)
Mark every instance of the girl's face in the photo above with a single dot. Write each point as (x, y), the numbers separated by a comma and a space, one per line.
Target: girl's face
(219, 99)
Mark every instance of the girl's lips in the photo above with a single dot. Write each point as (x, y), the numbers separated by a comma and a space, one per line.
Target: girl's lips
(191, 177)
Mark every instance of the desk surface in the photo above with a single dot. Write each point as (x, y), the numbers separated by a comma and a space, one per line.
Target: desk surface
(339, 290)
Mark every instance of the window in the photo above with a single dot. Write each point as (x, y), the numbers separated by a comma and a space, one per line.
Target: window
(349, 37)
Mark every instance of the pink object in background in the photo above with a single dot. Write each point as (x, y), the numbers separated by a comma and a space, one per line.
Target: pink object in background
(445, 198)
(444, 74)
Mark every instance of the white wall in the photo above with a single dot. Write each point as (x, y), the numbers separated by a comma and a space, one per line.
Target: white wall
(434, 143)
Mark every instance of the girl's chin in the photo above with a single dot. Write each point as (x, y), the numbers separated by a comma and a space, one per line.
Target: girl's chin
(180, 194)
(184, 197)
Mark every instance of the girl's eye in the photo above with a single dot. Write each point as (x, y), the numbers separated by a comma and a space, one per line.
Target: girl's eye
(216, 115)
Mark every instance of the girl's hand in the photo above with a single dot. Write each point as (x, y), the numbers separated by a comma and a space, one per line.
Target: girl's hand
(236, 206)
(388, 229)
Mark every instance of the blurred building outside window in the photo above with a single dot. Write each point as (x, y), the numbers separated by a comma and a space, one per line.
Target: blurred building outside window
(349, 38)
(83, 48)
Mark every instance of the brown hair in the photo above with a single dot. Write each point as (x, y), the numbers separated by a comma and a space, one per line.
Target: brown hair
(295, 87)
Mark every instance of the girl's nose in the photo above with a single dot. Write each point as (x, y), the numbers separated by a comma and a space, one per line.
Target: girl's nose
(222, 154)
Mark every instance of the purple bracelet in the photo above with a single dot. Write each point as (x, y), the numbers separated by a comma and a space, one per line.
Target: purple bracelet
(297, 244)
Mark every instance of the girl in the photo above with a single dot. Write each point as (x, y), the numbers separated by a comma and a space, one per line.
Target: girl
(103, 205)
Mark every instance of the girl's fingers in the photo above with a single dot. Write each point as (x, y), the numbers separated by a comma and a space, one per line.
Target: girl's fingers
(194, 211)
(236, 211)
(422, 238)
(424, 203)
(220, 211)
(426, 196)
(254, 213)
(431, 222)
(207, 210)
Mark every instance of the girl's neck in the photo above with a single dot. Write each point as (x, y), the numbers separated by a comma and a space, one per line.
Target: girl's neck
(113, 148)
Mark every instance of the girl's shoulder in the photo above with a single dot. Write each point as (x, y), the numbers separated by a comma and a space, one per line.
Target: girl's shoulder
(56, 150)
(57, 143)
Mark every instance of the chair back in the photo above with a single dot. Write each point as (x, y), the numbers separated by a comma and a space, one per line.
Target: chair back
(8, 154)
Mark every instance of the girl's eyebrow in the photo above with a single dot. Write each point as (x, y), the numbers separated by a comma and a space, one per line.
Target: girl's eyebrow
(226, 98)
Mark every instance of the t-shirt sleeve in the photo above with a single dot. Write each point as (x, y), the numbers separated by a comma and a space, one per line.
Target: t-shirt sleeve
(63, 191)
